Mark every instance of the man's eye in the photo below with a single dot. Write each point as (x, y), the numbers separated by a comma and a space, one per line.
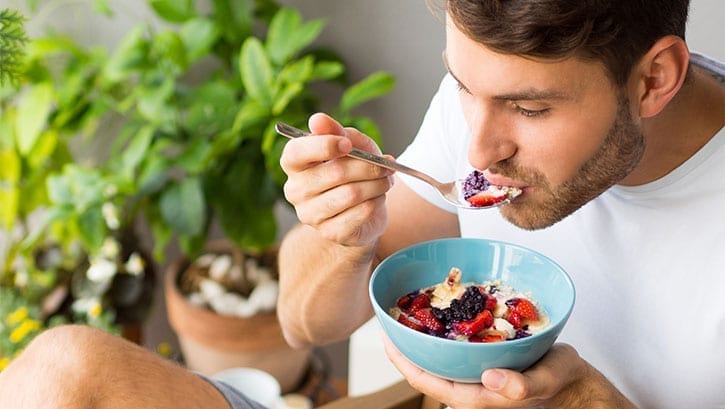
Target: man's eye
(531, 113)
(462, 88)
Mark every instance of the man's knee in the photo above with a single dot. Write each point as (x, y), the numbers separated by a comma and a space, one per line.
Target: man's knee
(63, 348)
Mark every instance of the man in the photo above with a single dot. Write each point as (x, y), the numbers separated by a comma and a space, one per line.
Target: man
(595, 110)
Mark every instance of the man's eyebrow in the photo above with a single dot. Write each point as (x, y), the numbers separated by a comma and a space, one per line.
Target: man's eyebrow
(526, 95)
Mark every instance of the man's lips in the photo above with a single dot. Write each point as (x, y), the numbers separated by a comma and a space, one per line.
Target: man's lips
(499, 180)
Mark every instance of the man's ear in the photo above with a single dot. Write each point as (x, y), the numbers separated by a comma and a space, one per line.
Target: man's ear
(660, 73)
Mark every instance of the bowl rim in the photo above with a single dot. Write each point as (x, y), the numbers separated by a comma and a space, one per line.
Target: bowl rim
(554, 326)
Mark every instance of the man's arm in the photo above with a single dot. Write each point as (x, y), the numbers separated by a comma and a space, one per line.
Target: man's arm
(324, 284)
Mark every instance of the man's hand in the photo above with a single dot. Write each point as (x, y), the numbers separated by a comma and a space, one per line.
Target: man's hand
(341, 197)
(561, 379)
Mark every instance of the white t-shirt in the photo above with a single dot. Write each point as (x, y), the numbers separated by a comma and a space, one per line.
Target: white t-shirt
(648, 263)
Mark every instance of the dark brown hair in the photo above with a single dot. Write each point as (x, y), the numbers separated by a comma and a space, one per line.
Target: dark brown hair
(615, 32)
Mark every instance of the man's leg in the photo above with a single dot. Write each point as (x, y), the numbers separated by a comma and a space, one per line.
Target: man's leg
(82, 367)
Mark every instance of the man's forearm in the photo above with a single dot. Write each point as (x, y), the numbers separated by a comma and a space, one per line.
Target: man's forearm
(323, 295)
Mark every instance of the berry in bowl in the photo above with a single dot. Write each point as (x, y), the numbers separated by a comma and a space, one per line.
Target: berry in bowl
(470, 312)
(500, 306)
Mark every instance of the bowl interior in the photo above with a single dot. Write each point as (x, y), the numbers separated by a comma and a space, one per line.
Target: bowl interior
(426, 264)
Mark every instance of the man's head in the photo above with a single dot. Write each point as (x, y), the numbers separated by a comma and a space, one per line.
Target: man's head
(615, 32)
(555, 94)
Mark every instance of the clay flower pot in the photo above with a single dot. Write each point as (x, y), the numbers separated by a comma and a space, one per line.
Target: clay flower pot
(211, 342)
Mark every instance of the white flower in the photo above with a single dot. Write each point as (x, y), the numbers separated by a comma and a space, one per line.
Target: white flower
(22, 277)
(88, 306)
(110, 248)
(110, 214)
(135, 264)
(110, 191)
(101, 270)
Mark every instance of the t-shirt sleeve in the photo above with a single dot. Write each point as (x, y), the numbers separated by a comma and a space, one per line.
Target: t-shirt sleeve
(438, 145)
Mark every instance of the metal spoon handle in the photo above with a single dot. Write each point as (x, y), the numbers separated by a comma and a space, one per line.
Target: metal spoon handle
(292, 132)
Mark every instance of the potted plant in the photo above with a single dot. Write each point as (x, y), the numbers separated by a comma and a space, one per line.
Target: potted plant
(53, 272)
(192, 150)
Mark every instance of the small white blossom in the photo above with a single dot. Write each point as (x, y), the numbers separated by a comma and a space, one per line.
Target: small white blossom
(88, 306)
(110, 248)
(101, 270)
(22, 277)
(135, 264)
(110, 214)
(110, 191)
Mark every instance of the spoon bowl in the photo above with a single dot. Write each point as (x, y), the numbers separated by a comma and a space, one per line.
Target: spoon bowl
(452, 192)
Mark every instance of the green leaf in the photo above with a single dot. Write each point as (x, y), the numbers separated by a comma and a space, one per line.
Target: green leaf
(371, 87)
(175, 11)
(325, 70)
(136, 151)
(283, 98)
(153, 102)
(198, 36)
(32, 115)
(213, 106)
(298, 71)
(168, 46)
(235, 18)
(250, 114)
(10, 169)
(287, 36)
(256, 71)
(43, 149)
(92, 227)
(195, 157)
(9, 201)
(130, 54)
(102, 7)
(183, 206)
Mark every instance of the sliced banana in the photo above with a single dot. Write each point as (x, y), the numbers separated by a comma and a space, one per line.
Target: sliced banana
(449, 290)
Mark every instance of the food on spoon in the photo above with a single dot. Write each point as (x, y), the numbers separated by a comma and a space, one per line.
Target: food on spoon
(488, 312)
(479, 192)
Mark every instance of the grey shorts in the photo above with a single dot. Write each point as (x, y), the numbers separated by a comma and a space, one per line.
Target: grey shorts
(236, 399)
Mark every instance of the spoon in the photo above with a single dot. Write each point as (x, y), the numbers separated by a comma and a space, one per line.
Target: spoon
(452, 192)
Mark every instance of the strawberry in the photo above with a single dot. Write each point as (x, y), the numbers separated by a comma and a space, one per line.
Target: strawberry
(523, 308)
(420, 301)
(490, 303)
(484, 198)
(411, 322)
(515, 319)
(425, 316)
(404, 302)
(483, 320)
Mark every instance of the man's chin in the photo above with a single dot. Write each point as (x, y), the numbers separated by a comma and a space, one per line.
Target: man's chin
(528, 216)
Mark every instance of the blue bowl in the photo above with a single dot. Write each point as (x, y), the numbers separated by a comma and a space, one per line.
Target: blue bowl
(426, 264)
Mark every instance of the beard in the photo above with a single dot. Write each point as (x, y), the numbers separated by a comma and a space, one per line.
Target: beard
(618, 155)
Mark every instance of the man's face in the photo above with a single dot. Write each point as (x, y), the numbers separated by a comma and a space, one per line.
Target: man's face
(555, 129)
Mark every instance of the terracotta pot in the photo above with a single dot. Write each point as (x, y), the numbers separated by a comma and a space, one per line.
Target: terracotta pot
(212, 342)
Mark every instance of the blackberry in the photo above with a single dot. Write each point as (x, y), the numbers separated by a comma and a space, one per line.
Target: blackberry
(521, 333)
(474, 184)
(466, 308)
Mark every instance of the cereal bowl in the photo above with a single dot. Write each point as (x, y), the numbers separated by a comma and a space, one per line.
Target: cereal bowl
(427, 264)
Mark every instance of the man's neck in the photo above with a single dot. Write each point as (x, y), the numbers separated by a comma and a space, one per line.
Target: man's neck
(688, 122)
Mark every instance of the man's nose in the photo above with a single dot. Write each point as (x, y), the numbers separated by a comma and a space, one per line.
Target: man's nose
(492, 140)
